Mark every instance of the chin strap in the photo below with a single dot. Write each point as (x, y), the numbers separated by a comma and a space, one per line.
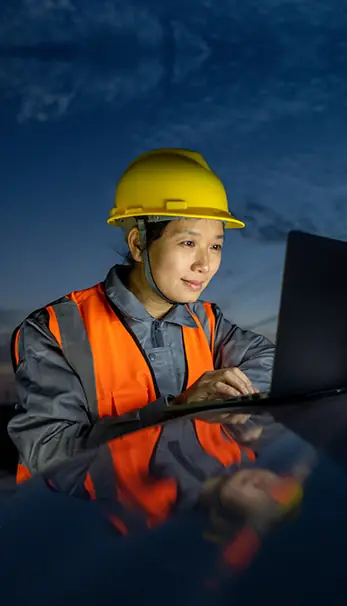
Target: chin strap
(141, 224)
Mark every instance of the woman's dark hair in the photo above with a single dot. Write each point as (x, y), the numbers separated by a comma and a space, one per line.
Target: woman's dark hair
(154, 231)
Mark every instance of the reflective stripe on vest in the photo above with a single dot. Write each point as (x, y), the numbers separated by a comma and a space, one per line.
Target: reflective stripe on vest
(23, 472)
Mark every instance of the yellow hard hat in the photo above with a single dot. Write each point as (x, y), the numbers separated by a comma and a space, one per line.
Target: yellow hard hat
(171, 183)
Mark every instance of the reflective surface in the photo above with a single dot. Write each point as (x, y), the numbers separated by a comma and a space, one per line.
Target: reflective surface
(110, 519)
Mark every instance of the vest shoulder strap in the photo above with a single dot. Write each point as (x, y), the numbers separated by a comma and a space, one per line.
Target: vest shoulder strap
(68, 328)
(205, 312)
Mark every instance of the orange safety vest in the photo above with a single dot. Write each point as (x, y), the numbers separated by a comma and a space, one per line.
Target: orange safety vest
(124, 379)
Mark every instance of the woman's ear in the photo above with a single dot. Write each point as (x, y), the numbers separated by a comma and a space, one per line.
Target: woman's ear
(134, 244)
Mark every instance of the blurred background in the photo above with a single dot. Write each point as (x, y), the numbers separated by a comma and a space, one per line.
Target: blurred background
(258, 87)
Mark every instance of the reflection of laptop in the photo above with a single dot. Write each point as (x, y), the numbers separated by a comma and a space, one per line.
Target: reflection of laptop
(311, 343)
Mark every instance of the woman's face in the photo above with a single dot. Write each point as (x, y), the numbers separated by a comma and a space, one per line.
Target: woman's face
(186, 257)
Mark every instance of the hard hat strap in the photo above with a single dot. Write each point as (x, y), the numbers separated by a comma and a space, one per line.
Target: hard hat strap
(141, 224)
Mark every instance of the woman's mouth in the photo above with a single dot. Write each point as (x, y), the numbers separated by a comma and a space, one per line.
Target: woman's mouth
(193, 284)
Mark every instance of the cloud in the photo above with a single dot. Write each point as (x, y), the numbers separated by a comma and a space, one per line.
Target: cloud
(61, 20)
(111, 53)
(48, 91)
(269, 225)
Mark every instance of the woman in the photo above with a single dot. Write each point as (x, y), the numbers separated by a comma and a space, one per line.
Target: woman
(141, 340)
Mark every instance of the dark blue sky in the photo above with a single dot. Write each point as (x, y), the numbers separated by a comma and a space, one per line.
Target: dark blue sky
(259, 89)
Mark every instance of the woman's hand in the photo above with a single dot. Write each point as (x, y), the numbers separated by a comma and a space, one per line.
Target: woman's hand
(223, 383)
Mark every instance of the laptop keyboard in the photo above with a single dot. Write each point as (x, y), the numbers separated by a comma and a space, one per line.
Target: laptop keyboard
(254, 397)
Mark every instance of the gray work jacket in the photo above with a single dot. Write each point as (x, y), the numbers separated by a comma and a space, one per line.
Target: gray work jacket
(53, 413)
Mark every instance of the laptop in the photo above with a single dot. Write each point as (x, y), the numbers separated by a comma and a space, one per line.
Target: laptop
(311, 343)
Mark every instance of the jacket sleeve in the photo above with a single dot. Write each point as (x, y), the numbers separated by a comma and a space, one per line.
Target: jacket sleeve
(252, 353)
(53, 420)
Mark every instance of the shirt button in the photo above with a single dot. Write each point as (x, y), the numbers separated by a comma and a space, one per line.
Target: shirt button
(152, 357)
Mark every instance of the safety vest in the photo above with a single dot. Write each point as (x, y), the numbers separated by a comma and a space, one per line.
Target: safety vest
(123, 380)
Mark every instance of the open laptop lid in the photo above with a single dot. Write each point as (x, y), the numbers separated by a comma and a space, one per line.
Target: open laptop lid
(311, 344)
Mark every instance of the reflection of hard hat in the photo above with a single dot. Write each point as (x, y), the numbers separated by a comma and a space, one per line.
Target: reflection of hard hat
(288, 494)
(171, 183)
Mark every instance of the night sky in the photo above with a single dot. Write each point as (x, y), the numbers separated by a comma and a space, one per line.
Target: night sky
(258, 88)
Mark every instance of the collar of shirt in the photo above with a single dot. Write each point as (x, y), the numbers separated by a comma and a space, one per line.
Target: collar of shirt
(130, 306)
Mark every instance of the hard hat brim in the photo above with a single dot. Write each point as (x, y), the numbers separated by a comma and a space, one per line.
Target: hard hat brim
(230, 221)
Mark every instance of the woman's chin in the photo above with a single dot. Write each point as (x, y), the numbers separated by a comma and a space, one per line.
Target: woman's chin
(185, 297)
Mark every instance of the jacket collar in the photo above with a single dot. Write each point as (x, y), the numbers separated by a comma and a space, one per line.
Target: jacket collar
(129, 305)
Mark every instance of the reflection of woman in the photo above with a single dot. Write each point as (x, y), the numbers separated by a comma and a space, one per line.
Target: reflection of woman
(141, 340)
(143, 479)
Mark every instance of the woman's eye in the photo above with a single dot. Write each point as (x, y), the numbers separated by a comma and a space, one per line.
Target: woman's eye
(190, 244)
